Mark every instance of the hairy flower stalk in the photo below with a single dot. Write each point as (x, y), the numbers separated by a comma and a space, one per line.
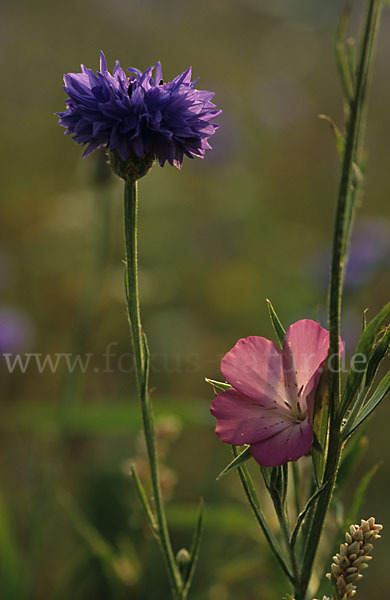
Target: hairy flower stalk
(142, 376)
(353, 557)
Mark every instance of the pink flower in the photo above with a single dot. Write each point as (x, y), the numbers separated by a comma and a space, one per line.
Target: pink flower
(270, 403)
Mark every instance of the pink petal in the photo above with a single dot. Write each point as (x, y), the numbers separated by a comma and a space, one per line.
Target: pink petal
(305, 350)
(254, 368)
(243, 421)
(287, 445)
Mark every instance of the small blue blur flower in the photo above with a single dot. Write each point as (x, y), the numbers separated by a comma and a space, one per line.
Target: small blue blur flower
(15, 330)
(138, 115)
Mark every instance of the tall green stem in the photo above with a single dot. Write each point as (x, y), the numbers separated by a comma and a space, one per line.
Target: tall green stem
(339, 249)
(141, 359)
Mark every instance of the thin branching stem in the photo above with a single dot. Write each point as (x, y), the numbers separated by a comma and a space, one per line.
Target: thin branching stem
(339, 250)
(141, 358)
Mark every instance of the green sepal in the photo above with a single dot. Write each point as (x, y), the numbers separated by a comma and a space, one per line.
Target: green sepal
(320, 426)
(236, 462)
(219, 385)
(276, 324)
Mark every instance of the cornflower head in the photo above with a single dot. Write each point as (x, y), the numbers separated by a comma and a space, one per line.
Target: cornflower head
(353, 557)
(138, 117)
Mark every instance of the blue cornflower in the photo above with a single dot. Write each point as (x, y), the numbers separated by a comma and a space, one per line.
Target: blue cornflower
(138, 116)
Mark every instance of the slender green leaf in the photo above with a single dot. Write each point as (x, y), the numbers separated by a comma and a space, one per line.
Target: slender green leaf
(364, 349)
(381, 391)
(341, 57)
(340, 142)
(252, 496)
(194, 551)
(302, 515)
(381, 349)
(144, 501)
(219, 385)
(350, 52)
(236, 462)
(297, 485)
(364, 319)
(267, 474)
(276, 324)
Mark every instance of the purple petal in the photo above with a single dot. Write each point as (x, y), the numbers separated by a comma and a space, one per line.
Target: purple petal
(288, 445)
(305, 350)
(158, 75)
(137, 115)
(103, 64)
(244, 421)
(254, 368)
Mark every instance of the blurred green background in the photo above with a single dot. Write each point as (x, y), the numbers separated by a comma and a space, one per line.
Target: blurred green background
(253, 220)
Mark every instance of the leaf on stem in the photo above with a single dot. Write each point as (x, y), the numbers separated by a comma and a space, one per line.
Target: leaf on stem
(338, 136)
(194, 551)
(302, 515)
(380, 352)
(144, 501)
(341, 56)
(382, 390)
(365, 349)
(252, 496)
(236, 462)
